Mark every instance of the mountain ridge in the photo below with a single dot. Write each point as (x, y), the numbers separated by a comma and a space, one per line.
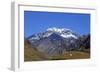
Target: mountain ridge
(51, 41)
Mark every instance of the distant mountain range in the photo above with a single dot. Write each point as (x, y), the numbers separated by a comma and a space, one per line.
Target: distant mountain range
(56, 41)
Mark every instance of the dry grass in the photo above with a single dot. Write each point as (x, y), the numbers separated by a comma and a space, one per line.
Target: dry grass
(32, 55)
(72, 55)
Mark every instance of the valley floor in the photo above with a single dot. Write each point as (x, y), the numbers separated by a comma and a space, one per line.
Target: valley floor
(33, 55)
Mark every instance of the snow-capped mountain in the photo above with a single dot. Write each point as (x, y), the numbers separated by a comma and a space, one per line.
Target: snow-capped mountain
(63, 32)
(55, 41)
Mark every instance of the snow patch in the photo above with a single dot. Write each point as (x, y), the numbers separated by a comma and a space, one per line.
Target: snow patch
(59, 30)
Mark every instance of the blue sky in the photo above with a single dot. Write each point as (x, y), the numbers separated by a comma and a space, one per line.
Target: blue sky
(36, 22)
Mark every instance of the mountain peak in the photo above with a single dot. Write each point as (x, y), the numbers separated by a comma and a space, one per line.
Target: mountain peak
(62, 32)
(59, 30)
